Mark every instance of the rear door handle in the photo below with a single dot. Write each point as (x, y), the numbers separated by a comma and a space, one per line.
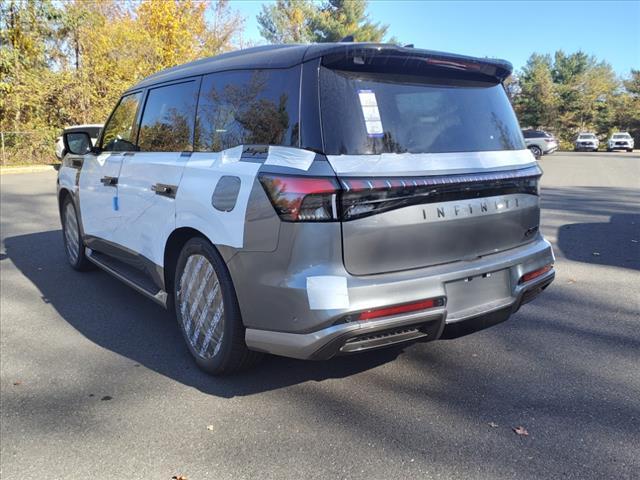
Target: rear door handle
(165, 190)
(109, 181)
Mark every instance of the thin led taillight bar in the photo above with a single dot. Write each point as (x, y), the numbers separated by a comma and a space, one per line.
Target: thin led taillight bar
(363, 184)
(398, 309)
(535, 274)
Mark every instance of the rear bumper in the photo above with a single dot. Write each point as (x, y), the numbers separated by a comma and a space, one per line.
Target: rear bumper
(374, 291)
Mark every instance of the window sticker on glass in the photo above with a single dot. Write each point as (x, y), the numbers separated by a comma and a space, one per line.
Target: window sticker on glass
(369, 106)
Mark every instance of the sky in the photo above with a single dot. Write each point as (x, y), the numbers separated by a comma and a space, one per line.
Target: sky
(511, 30)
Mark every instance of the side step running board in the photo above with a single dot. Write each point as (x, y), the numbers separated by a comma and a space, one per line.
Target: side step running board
(131, 276)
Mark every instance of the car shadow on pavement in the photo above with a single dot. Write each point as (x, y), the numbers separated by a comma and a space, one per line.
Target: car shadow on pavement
(596, 243)
(614, 241)
(117, 318)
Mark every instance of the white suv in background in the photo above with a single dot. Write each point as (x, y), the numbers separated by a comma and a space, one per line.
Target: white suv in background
(620, 141)
(587, 141)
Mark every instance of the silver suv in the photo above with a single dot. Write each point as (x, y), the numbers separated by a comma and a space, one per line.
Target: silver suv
(313, 200)
(540, 142)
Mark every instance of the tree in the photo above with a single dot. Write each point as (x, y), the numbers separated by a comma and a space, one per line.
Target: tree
(338, 18)
(300, 21)
(287, 21)
(537, 100)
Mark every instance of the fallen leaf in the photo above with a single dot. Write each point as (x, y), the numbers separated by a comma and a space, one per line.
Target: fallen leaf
(521, 431)
(91, 395)
(493, 424)
(210, 427)
(571, 280)
(106, 397)
(634, 241)
(179, 477)
(18, 382)
(596, 254)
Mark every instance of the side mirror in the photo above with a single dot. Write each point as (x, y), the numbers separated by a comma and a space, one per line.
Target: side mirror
(78, 143)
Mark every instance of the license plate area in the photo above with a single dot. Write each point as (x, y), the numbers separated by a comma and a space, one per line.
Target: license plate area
(478, 294)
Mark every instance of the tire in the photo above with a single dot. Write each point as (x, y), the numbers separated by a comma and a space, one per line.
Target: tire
(207, 310)
(609, 150)
(629, 150)
(537, 151)
(73, 245)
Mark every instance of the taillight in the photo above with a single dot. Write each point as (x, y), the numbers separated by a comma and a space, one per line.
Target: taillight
(302, 199)
(326, 199)
(397, 309)
(362, 197)
(535, 274)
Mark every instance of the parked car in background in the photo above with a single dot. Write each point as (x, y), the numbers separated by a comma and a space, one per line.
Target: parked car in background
(587, 141)
(540, 142)
(92, 129)
(347, 202)
(620, 141)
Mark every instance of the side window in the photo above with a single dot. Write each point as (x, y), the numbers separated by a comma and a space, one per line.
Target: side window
(168, 118)
(248, 107)
(120, 132)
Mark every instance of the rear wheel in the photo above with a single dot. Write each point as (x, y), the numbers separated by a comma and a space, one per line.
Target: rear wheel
(207, 310)
(73, 245)
(537, 151)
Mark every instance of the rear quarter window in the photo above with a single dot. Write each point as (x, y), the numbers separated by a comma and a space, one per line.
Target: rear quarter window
(248, 107)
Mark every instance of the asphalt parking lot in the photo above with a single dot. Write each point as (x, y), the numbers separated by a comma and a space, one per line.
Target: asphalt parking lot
(96, 381)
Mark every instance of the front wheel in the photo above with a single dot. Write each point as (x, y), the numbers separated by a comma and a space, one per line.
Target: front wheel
(629, 150)
(207, 310)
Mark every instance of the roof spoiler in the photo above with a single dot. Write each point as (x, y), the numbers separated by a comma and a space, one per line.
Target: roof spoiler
(358, 55)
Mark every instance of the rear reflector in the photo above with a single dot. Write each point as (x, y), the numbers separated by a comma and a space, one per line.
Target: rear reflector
(535, 274)
(398, 309)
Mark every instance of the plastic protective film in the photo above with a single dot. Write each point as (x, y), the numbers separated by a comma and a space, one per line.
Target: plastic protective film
(429, 163)
(290, 157)
(194, 201)
(327, 292)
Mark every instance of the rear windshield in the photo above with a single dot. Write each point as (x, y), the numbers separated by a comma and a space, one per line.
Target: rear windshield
(372, 113)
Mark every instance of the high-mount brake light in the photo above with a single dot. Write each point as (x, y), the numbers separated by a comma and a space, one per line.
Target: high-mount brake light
(302, 199)
(535, 274)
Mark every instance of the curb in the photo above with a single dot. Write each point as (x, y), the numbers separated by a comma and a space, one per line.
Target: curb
(26, 169)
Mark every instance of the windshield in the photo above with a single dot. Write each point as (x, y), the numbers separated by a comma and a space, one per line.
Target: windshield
(621, 135)
(589, 136)
(372, 113)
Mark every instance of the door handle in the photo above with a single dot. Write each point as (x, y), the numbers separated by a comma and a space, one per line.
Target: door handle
(109, 181)
(165, 190)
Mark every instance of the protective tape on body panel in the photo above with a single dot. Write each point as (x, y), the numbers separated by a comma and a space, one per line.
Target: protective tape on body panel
(290, 157)
(201, 175)
(327, 292)
(430, 163)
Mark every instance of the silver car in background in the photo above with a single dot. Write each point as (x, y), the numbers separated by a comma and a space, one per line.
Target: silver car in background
(620, 141)
(587, 142)
(540, 142)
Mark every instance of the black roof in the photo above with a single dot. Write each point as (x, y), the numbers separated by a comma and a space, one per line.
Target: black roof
(289, 55)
